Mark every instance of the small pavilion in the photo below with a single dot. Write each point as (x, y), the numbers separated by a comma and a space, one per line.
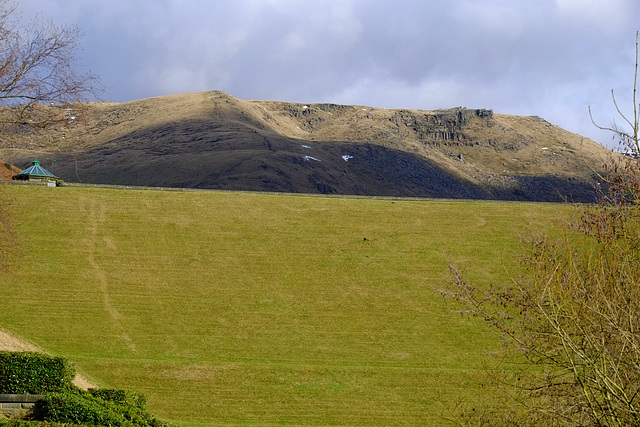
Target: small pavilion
(35, 172)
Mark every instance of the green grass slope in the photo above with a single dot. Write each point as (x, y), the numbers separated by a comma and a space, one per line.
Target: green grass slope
(248, 309)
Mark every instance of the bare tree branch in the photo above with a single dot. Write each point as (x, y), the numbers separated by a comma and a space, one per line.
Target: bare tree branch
(574, 316)
(38, 66)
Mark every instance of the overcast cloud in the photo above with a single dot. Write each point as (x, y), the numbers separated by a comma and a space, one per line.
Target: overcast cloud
(550, 58)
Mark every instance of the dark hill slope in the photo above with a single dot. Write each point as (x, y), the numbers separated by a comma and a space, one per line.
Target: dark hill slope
(212, 140)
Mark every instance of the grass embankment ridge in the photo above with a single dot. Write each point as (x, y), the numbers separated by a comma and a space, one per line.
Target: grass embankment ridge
(252, 309)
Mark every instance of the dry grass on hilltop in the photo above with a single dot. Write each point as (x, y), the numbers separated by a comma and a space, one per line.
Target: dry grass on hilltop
(213, 140)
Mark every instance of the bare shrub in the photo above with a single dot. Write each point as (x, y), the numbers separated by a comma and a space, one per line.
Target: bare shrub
(572, 321)
(38, 66)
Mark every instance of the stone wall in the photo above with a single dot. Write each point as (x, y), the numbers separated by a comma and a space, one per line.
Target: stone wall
(18, 405)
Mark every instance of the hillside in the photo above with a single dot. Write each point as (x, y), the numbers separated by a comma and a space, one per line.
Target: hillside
(213, 140)
(247, 309)
(8, 170)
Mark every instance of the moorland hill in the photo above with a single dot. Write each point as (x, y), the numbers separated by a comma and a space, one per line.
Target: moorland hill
(213, 140)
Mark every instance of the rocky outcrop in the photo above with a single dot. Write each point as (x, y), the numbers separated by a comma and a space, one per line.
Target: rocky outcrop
(441, 125)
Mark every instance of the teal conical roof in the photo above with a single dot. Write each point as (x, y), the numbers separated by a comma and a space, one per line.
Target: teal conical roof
(36, 170)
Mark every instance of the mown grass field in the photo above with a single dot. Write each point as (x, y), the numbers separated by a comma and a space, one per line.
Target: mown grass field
(250, 309)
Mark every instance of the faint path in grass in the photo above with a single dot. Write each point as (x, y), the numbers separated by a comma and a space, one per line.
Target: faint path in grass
(97, 216)
(9, 342)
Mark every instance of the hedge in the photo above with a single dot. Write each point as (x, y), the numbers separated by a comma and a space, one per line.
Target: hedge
(34, 373)
(63, 403)
(121, 397)
(26, 423)
(86, 408)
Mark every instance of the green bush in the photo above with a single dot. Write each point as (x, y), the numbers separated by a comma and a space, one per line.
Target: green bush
(27, 423)
(121, 397)
(34, 373)
(121, 408)
(77, 409)
(64, 404)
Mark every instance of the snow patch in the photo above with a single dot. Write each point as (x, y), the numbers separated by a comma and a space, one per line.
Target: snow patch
(305, 146)
(307, 158)
(346, 157)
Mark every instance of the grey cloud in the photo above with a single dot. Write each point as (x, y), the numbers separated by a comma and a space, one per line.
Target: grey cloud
(543, 57)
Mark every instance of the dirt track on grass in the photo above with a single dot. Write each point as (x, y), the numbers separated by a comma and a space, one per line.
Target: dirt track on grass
(9, 342)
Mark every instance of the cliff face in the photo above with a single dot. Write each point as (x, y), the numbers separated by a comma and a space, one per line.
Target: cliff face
(441, 126)
(212, 140)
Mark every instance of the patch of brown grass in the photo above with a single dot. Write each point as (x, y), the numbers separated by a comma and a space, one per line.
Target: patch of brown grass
(7, 170)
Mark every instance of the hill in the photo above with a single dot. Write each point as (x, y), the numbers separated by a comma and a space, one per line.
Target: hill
(251, 309)
(213, 140)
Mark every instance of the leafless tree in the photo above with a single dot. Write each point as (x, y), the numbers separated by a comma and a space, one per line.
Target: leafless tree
(39, 78)
(38, 67)
(572, 321)
(628, 140)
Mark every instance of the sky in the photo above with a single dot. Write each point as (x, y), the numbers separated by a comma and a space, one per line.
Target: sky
(547, 58)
